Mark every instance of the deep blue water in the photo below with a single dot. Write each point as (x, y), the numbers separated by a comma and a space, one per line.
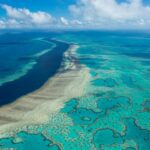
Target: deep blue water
(13, 47)
(47, 65)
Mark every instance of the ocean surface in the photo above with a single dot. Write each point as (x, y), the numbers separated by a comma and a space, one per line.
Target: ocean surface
(113, 114)
(27, 64)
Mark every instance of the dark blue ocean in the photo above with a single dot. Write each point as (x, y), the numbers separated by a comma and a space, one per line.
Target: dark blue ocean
(27, 61)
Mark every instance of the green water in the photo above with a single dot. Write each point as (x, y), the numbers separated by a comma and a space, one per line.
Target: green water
(113, 114)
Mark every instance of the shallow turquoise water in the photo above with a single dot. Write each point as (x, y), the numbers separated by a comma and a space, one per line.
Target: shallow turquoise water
(30, 142)
(114, 112)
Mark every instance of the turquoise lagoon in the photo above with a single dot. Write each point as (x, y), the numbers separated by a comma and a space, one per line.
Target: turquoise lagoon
(114, 112)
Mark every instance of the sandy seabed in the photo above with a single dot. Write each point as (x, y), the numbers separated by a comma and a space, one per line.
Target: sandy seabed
(37, 107)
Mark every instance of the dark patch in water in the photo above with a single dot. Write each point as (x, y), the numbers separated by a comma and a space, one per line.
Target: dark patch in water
(146, 62)
(108, 82)
(83, 116)
(139, 135)
(130, 148)
(70, 106)
(146, 105)
(128, 80)
(11, 43)
(106, 137)
(140, 55)
(28, 142)
(108, 104)
(25, 58)
(136, 45)
(5, 69)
